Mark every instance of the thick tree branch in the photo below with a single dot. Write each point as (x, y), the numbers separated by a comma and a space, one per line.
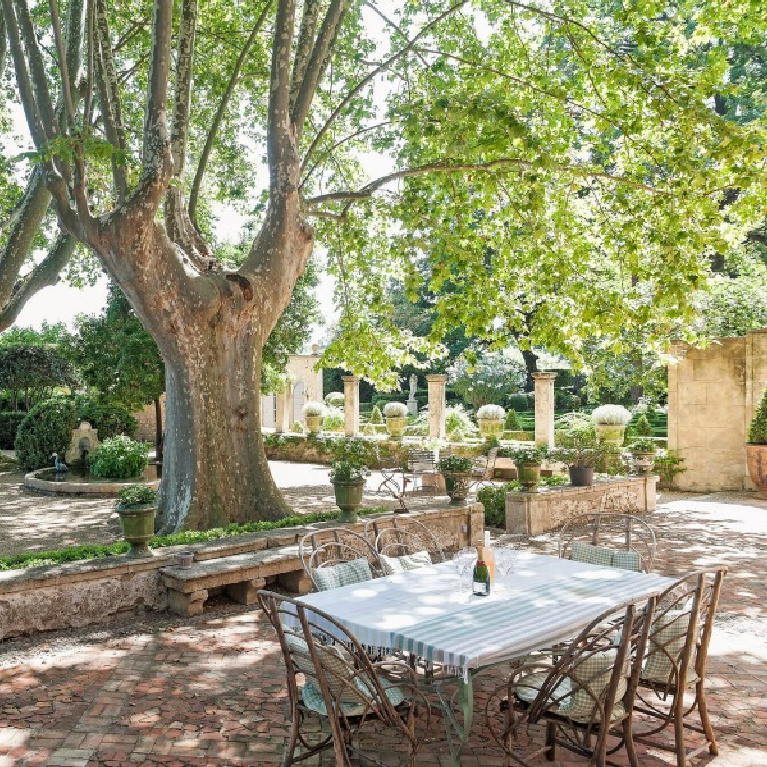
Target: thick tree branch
(317, 62)
(309, 18)
(3, 45)
(69, 107)
(445, 167)
(46, 273)
(109, 98)
(223, 104)
(370, 77)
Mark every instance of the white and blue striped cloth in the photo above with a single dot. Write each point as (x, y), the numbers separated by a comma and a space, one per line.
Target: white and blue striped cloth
(545, 600)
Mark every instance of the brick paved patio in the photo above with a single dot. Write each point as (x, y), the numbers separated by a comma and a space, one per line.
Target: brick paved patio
(210, 691)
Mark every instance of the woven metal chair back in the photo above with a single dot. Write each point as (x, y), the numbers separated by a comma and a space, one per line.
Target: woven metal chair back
(622, 532)
(580, 690)
(339, 683)
(399, 537)
(334, 545)
(484, 465)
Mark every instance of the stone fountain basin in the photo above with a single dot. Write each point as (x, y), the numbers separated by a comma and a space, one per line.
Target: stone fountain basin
(73, 483)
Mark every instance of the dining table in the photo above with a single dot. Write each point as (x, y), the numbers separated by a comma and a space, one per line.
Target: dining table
(430, 614)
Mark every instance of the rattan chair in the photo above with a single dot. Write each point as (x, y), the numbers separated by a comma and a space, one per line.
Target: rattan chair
(620, 540)
(397, 537)
(577, 695)
(677, 651)
(343, 690)
(323, 551)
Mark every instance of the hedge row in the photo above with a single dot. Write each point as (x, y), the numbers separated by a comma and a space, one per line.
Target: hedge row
(9, 423)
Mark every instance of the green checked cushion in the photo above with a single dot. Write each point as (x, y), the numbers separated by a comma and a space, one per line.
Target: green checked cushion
(392, 565)
(591, 555)
(665, 645)
(312, 697)
(568, 698)
(627, 560)
(356, 571)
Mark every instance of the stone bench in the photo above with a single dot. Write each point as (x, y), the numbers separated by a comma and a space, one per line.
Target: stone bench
(241, 576)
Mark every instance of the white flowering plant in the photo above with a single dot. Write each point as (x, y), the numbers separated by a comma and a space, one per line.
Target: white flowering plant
(395, 410)
(314, 409)
(613, 415)
(491, 413)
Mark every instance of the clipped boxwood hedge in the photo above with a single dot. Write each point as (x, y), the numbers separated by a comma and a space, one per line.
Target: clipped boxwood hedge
(9, 423)
(110, 418)
(46, 429)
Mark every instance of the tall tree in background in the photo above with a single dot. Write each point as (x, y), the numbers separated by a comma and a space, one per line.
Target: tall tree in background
(510, 122)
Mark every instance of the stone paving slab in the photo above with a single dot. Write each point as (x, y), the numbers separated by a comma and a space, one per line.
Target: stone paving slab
(158, 691)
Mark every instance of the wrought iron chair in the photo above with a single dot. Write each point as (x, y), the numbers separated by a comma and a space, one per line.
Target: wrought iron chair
(675, 662)
(343, 689)
(619, 540)
(397, 538)
(484, 467)
(419, 463)
(337, 556)
(581, 692)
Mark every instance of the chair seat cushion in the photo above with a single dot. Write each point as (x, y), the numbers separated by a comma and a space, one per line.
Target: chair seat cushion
(313, 699)
(568, 697)
(413, 561)
(343, 574)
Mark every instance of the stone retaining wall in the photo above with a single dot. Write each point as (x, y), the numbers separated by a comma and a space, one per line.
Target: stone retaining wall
(84, 593)
(549, 509)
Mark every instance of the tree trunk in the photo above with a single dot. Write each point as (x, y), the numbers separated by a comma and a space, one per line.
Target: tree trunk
(531, 364)
(215, 469)
(159, 433)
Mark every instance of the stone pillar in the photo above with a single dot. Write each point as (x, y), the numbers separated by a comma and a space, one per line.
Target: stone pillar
(436, 383)
(284, 409)
(351, 405)
(544, 408)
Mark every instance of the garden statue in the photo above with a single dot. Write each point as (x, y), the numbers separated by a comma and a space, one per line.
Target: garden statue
(61, 467)
(412, 404)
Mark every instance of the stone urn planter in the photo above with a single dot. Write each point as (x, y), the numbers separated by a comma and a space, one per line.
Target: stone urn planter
(489, 427)
(529, 475)
(756, 460)
(137, 506)
(348, 498)
(313, 414)
(610, 433)
(643, 462)
(396, 426)
(457, 486)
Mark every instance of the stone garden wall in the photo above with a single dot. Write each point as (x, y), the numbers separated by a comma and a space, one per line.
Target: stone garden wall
(712, 396)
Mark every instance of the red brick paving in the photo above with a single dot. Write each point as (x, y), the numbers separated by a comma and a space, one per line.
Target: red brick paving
(211, 690)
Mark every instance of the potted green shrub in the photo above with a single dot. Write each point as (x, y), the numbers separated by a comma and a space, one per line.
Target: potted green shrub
(348, 480)
(756, 447)
(333, 420)
(579, 448)
(610, 422)
(490, 419)
(456, 470)
(313, 413)
(528, 461)
(136, 506)
(643, 454)
(396, 418)
(119, 458)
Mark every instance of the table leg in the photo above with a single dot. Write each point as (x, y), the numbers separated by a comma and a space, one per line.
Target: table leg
(457, 732)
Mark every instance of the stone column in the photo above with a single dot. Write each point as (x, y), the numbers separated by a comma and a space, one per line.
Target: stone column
(436, 383)
(351, 405)
(544, 408)
(284, 409)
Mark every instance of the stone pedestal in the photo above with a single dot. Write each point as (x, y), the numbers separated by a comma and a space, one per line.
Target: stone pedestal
(436, 383)
(412, 407)
(536, 513)
(544, 408)
(351, 405)
(284, 402)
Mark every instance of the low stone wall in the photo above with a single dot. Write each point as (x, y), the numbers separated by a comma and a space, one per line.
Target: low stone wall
(549, 509)
(84, 593)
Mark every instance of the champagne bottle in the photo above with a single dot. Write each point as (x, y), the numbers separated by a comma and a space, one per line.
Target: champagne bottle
(481, 579)
(488, 554)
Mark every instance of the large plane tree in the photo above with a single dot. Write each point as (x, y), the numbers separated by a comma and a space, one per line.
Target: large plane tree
(566, 113)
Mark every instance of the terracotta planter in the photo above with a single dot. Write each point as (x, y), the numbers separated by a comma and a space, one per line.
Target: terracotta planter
(457, 485)
(610, 433)
(349, 498)
(529, 475)
(643, 462)
(314, 423)
(138, 528)
(490, 427)
(396, 425)
(581, 476)
(756, 459)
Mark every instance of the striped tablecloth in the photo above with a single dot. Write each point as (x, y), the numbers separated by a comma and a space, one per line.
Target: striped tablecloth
(545, 600)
